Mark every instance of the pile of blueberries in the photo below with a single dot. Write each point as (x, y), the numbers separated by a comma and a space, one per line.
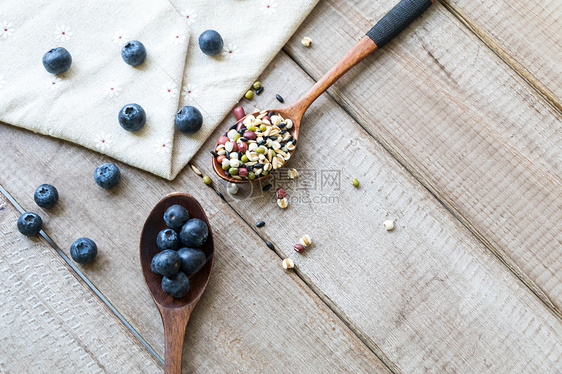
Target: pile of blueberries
(176, 264)
(83, 250)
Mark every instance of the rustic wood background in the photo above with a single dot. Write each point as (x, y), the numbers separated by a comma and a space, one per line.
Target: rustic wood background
(453, 130)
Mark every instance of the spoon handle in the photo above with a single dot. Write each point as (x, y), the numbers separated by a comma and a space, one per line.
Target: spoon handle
(175, 324)
(394, 22)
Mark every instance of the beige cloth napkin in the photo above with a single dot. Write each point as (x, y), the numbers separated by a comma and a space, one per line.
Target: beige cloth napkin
(82, 104)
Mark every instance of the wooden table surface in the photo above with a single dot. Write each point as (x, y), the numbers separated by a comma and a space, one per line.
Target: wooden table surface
(454, 131)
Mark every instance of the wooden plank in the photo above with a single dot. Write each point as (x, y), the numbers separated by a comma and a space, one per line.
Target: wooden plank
(466, 125)
(526, 33)
(430, 295)
(253, 318)
(51, 321)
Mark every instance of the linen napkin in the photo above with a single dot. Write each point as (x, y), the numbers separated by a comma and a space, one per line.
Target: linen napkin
(81, 105)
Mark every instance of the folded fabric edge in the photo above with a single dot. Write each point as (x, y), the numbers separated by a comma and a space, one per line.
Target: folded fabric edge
(154, 171)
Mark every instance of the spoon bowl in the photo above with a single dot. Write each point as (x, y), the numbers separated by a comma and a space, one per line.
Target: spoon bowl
(175, 313)
(287, 112)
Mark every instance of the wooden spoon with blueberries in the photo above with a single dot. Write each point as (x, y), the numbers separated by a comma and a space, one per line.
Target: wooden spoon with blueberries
(176, 253)
(263, 141)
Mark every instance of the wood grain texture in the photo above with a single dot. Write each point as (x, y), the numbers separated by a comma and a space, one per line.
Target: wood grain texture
(526, 33)
(253, 317)
(429, 295)
(467, 126)
(51, 322)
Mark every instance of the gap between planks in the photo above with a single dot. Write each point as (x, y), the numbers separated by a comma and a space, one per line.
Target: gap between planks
(369, 343)
(504, 56)
(85, 279)
(435, 193)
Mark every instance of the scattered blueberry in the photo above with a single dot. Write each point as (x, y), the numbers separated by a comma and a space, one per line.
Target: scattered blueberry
(176, 216)
(107, 175)
(177, 285)
(46, 196)
(166, 263)
(133, 53)
(210, 42)
(29, 224)
(194, 233)
(189, 120)
(83, 250)
(168, 239)
(192, 260)
(132, 117)
(57, 60)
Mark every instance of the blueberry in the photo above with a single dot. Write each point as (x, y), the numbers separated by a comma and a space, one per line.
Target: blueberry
(194, 233)
(189, 120)
(177, 285)
(29, 224)
(166, 263)
(57, 60)
(133, 53)
(83, 250)
(132, 117)
(168, 239)
(46, 196)
(107, 175)
(210, 42)
(176, 216)
(192, 260)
